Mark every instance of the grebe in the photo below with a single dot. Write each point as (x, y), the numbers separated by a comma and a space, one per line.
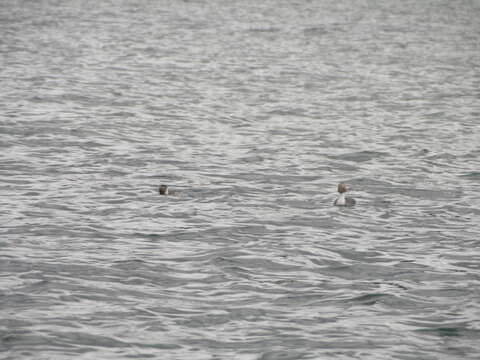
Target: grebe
(342, 200)
(163, 190)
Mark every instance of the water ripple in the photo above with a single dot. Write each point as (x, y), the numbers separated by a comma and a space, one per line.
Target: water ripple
(252, 112)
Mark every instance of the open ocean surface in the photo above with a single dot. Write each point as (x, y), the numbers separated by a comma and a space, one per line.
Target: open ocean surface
(253, 111)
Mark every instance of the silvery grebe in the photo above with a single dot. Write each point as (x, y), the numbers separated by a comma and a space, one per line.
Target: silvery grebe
(342, 200)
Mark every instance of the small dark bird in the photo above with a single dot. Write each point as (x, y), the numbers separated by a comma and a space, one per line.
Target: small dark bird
(163, 190)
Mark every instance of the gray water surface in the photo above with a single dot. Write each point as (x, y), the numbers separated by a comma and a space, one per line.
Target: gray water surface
(253, 111)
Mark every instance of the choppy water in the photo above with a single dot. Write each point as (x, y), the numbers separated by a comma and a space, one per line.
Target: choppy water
(253, 111)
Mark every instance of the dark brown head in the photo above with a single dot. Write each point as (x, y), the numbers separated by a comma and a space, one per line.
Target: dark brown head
(163, 190)
(342, 188)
